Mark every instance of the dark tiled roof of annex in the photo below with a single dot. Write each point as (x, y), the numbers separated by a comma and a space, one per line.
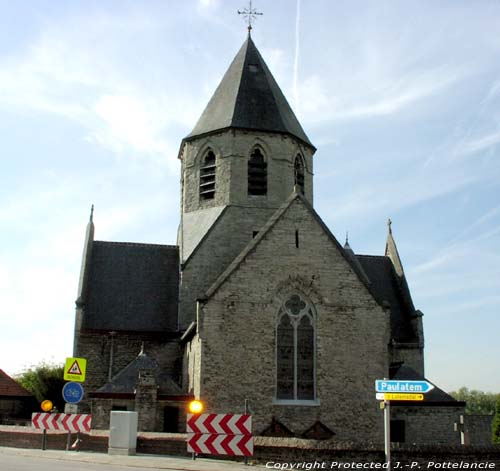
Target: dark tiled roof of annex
(132, 287)
(385, 287)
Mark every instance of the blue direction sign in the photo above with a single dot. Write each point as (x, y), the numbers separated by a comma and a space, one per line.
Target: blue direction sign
(72, 392)
(402, 386)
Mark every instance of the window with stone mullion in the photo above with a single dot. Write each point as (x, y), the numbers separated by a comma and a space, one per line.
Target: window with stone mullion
(295, 352)
(285, 359)
(305, 359)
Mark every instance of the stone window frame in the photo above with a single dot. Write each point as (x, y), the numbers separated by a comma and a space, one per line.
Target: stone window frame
(299, 173)
(257, 148)
(309, 311)
(208, 175)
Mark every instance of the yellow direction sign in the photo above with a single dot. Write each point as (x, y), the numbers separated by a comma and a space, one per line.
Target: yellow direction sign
(399, 397)
(75, 369)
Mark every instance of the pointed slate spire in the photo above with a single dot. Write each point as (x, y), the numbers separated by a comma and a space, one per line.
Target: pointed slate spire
(248, 97)
(391, 251)
(354, 260)
(87, 253)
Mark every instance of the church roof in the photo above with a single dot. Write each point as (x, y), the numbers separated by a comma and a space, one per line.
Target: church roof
(386, 287)
(132, 287)
(248, 97)
(126, 380)
(10, 388)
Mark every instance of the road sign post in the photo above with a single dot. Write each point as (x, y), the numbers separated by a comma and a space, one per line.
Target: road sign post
(387, 433)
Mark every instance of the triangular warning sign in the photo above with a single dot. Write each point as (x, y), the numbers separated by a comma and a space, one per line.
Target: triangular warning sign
(75, 369)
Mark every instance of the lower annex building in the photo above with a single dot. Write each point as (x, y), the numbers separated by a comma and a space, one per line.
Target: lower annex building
(257, 301)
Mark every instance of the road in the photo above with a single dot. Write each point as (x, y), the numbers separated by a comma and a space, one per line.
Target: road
(17, 459)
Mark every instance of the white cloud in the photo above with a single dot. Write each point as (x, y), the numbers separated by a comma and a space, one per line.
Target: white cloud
(321, 100)
(473, 146)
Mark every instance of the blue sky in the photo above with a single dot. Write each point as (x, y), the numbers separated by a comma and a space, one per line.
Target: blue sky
(402, 100)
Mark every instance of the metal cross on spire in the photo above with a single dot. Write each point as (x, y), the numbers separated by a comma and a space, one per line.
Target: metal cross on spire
(250, 14)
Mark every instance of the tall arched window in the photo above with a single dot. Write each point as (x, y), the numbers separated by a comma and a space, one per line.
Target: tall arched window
(207, 176)
(298, 168)
(295, 350)
(257, 173)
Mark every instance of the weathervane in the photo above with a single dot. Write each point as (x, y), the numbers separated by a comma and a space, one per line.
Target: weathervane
(250, 14)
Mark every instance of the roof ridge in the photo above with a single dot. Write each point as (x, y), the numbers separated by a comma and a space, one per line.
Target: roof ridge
(135, 244)
(267, 227)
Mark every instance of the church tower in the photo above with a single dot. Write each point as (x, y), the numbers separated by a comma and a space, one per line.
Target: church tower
(246, 155)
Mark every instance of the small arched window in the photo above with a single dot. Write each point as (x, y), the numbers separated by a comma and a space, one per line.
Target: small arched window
(295, 351)
(298, 168)
(207, 176)
(257, 173)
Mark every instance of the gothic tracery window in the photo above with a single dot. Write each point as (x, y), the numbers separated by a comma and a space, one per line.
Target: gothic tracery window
(295, 350)
(298, 168)
(207, 176)
(257, 173)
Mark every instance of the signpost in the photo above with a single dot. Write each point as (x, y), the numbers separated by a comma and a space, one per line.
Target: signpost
(399, 397)
(75, 369)
(402, 386)
(72, 392)
(397, 390)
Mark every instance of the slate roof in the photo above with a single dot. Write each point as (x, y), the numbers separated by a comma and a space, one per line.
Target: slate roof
(248, 97)
(132, 287)
(386, 287)
(436, 395)
(195, 226)
(10, 388)
(125, 381)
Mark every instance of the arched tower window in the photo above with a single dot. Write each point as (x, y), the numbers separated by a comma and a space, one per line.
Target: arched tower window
(295, 351)
(257, 173)
(207, 176)
(298, 168)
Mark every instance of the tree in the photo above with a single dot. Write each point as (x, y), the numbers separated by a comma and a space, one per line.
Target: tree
(478, 402)
(495, 426)
(44, 381)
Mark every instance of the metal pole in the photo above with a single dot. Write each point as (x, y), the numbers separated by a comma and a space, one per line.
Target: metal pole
(387, 433)
(68, 441)
(245, 460)
(44, 439)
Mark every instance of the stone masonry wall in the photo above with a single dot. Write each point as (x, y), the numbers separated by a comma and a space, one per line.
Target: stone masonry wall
(232, 149)
(228, 237)
(237, 331)
(433, 425)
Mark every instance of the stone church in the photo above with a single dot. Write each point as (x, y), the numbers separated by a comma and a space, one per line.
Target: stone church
(257, 302)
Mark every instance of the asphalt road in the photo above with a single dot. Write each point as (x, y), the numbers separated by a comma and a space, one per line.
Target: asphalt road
(16, 459)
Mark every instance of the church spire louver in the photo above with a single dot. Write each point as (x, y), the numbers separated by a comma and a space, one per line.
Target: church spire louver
(248, 97)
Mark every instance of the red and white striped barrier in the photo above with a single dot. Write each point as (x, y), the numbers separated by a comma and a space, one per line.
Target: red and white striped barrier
(68, 422)
(212, 444)
(220, 434)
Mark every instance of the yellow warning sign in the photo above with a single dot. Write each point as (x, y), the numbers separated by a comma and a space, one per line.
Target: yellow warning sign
(75, 369)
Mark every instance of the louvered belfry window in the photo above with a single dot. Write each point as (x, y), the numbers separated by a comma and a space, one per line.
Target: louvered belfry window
(299, 173)
(207, 176)
(257, 174)
(295, 345)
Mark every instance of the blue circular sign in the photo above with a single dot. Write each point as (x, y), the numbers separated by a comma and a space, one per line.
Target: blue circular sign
(72, 392)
